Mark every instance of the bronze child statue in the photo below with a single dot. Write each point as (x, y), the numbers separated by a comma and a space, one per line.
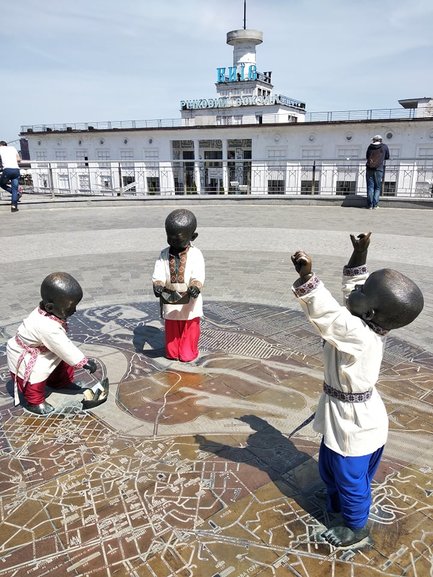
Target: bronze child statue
(41, 352)
(351, 415)
(178, 279)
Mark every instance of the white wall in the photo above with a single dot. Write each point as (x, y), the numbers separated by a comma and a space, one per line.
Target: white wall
(406, 139)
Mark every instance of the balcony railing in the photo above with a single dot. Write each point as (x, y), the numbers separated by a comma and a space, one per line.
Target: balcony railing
(325, 177)
(373, 114)
(329, 116)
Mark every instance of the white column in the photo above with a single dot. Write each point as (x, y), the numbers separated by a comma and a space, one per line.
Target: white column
(226, 183)
(197, 166)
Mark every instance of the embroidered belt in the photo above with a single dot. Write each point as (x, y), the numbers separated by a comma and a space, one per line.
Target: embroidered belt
(33, 352)
(347, 397)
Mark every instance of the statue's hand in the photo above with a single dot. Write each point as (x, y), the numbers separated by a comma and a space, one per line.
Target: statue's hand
(302, 263)
(361, 242)
(157, 290)
(90, 366)
(193, 291)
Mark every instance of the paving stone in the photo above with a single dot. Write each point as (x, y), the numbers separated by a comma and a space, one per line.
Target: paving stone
(187, 468)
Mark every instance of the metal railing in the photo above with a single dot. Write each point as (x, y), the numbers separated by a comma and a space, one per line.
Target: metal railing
(105, 125)
(372, 114)
(325, 177)
(327, 116)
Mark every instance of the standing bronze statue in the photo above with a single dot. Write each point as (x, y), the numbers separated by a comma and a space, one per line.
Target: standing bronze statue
(351, 415)
(178, 280)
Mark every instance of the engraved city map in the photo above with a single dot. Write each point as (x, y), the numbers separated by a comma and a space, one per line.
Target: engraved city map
(188, 469)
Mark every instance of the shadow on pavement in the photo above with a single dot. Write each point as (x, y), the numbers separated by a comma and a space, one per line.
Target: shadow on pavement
(293, 472)
(151, 336)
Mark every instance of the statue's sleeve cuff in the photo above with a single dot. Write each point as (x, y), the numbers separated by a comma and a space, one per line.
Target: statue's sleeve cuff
(306, 288)
(81, 364)
(355, 270)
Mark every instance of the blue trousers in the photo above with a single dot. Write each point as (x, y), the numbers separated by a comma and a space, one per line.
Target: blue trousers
(11, 175)
(374, 186)
(348, 484)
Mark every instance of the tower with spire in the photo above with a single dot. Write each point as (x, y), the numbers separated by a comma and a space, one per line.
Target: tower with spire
(244, 94)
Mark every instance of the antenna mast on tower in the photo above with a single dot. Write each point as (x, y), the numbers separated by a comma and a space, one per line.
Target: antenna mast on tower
(245, 14)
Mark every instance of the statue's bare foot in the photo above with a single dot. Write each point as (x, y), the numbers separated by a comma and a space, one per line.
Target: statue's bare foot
(342, 536)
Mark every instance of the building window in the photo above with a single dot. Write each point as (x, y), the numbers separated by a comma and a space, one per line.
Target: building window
(277, 153)
(276, 186)
(245, 144)
(105, 180)
(180, 146)
(127, 160)
(43, 180)
(41, 155)
(84, 182)
(389, 188)
(225, 120)
(103, 154)
(127, 154)
(82, 155)
(129, 183)
(424, 151)
(345, 187)
(213, 155)
(348, 152)
(153, 184)
(210, 145)
(151, 153)
(308, 188)
(311, 153)
(60, 154)
(63, 181)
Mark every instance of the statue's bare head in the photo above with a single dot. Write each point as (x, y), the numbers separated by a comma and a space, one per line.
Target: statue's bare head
(180, 227)
(60, 294)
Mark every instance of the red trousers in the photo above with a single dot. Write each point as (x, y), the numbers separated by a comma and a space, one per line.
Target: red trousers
(60, 378)
(181, 339)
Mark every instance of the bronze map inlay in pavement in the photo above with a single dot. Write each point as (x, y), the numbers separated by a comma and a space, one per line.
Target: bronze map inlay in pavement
(188, 470)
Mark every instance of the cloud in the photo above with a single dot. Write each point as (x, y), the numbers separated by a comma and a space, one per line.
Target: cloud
(83, 58)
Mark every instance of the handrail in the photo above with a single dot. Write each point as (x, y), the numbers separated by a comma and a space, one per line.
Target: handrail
(325, 116)
(403, 177)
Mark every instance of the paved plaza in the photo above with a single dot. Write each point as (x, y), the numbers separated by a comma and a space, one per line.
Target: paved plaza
(188, 469)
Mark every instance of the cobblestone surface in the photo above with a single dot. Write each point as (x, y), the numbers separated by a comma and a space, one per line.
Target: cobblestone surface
(189, 468)
(111, 249)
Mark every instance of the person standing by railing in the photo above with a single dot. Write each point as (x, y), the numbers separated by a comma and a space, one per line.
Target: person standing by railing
(376, 154)
(10, 160)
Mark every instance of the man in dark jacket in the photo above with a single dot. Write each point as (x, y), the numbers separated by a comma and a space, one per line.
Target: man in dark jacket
(377, 153)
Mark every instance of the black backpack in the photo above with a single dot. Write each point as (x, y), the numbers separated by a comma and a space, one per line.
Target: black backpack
(375, 158)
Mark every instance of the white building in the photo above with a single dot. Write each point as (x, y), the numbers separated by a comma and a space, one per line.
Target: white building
(248, 138)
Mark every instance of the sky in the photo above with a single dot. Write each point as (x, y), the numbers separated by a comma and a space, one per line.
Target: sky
(66, 61)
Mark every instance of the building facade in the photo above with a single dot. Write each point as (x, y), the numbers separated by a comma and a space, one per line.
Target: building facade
(247, 139)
